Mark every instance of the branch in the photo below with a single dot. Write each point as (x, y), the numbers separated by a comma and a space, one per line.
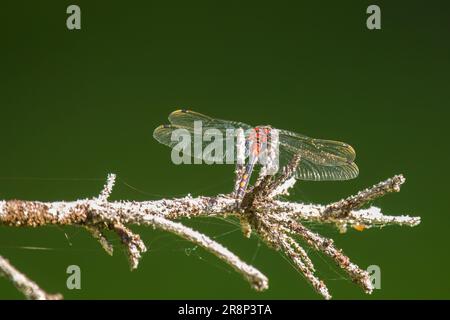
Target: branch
(257, 280)
(271, 186)
(107, 188)
(300, 259)
(342, 208)
(29, 289)
(326, 246)
(97, 215)
(345, 212)
(276, 222)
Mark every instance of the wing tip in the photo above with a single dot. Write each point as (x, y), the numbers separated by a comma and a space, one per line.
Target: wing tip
(354, 171)
(178, 111)
(159, 128)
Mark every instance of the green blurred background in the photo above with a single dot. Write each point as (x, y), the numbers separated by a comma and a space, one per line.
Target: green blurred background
(76, 105)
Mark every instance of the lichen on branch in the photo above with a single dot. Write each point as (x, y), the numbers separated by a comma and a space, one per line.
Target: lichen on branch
(261, 211)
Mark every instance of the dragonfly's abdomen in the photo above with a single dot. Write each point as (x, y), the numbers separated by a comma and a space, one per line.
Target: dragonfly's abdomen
(243, 184)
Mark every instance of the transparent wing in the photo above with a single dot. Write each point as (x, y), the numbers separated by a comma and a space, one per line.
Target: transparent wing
(321, 160)
(199, 142)
(186, 118)
(163, 134)
(210, 127)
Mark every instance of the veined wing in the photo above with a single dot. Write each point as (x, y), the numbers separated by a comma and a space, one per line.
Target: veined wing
(186, 119)
(320, 160)
(198, 142)
(210, 127)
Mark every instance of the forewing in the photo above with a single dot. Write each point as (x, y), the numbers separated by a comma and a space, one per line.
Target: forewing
(186, 118)
(169, 135)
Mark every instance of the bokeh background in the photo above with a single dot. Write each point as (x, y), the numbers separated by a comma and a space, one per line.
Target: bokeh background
(76, 105)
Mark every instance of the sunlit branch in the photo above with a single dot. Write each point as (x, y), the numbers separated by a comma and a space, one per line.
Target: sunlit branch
(277, 222)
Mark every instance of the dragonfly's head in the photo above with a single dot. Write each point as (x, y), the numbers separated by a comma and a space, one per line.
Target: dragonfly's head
(263, 130)
(262, 127)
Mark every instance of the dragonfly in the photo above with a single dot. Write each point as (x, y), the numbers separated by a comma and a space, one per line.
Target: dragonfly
(320, 160)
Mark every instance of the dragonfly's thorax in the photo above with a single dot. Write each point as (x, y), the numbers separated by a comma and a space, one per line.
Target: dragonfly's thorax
(259, 138)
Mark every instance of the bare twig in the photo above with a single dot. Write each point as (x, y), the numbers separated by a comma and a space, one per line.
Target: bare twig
(107, 189)
(29, 288)
(303, 263)
(286, 180)
(98, 234)
(133, 243)
(257, 280)
(327, 246)
(343, 207)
